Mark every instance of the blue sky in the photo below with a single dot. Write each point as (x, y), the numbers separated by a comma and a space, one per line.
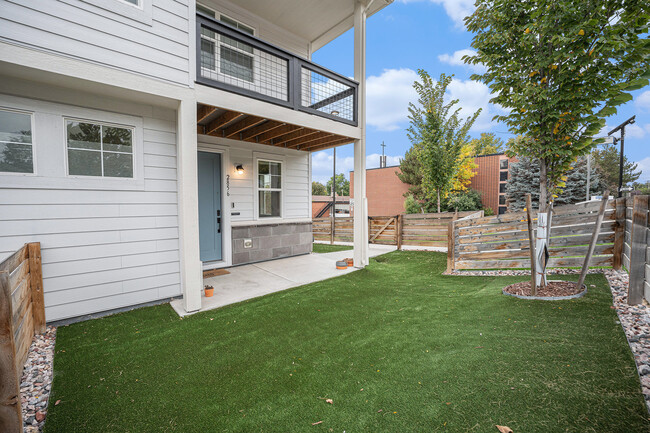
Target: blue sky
(429, 34)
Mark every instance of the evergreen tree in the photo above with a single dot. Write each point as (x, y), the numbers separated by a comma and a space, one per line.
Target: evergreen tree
(607, 161)
(411, 174)
(524, 178)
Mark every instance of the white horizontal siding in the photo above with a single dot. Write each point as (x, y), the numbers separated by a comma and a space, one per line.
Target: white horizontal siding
(159, 48)
(102, 249)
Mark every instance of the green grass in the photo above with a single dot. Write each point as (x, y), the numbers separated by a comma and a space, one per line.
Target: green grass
(327, 248)
(397, 346)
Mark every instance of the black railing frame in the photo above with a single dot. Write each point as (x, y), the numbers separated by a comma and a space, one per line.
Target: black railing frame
(294, 73)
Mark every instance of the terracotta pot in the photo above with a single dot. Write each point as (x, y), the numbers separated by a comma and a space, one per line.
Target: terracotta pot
(350, 262)
(209, 291)
(342, 264)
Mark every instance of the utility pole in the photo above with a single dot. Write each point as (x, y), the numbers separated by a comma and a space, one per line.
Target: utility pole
(621, 127)
(333, 208)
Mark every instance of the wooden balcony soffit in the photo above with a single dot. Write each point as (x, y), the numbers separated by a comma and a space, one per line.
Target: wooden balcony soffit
(218, 122)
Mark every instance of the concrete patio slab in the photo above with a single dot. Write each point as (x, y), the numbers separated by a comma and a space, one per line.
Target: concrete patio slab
(259, 279)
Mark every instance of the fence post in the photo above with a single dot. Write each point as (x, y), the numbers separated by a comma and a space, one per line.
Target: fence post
(36, 285)
(531, 244)
(332, 223)
(619, 233)
(638, 249)
(398, 230)
(11, 419)
(451, 243)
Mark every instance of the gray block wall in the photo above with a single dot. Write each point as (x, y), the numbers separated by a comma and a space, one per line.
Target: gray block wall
(271, 241)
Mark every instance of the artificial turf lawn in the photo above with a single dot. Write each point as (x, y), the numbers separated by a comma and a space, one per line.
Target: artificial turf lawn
(327, 248)
(397, 346)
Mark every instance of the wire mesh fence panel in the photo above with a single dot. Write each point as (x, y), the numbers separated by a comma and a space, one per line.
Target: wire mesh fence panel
(327, 95)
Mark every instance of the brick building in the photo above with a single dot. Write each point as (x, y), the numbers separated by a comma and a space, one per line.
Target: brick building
(321, 206)
(490, 180)
(384, 190)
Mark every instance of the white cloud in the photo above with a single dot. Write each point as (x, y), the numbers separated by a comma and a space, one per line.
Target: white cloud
(321, 164)
(644, 165)
(456, 9)
(634, 131)
(388, 96)
(643, 100)
(456, 59)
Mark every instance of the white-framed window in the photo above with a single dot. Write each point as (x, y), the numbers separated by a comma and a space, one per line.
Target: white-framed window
(16, 142)
(225, 55)
(99, 149)
(269, 188)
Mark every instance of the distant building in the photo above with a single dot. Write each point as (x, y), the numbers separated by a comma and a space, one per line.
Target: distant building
(321, 206)
(490, 180)
(385, 191)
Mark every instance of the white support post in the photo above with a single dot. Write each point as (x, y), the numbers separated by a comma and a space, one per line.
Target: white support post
(188, 206)
(360, 200)
(541, 248)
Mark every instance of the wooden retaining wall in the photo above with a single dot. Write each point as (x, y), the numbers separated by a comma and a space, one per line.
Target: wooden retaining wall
(501, 242)
(428, 229)
(22, 313)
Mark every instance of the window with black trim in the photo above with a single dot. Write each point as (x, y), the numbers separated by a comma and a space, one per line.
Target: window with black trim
(504, 164)
(98, 149)
(16, 146)
(269, 188)
(503, 176)
(502, 199)
(502, 188)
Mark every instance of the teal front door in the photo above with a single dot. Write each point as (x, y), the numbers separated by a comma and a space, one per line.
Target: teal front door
(210, 206)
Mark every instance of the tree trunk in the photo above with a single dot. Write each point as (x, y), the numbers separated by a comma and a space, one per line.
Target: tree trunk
(543, 186)
(438, 192)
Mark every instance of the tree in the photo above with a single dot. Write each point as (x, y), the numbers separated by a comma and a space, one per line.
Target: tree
(411, 174)
(487, 144)
(411, 205)
(318, 188)
(524, 178)
(464, 201)
(642, 188)
(466, 169)
(437, 134)
(342, 185)
(607, 161)
(560, 67)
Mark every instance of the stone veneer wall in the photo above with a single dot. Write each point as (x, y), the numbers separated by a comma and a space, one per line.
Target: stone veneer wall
(271, 241)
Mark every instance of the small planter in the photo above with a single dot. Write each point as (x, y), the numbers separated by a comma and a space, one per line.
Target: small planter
(209, 291)
(342, 264)
(350, 262)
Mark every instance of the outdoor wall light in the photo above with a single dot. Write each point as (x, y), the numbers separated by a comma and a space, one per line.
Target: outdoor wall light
(239, 168)
(334, 113)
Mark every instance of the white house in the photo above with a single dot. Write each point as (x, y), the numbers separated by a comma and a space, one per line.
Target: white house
(144, 141)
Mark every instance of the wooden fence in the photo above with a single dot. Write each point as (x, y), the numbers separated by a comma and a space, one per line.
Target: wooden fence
(635, 255)
(502, 242)
(428, 229)
(22, 313)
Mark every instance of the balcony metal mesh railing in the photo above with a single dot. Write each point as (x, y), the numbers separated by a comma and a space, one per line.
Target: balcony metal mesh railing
(327, 95)
(238, 62)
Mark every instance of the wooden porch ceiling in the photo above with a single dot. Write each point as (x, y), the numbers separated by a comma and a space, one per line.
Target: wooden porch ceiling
(238, 126)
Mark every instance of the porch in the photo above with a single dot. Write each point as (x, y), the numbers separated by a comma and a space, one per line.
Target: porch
(260, 279)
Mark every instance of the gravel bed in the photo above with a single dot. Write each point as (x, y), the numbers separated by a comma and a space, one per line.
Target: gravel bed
(37, 380)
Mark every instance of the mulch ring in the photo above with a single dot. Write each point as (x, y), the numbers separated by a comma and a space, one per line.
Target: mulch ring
(553, 289)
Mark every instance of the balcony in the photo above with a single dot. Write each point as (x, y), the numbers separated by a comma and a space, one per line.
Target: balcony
(232, 60)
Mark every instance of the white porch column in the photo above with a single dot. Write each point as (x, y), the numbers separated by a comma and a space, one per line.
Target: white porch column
(360, 200)
(188, 206)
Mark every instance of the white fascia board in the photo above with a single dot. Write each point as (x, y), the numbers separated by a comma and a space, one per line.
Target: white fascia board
(345, 25)
(50, 68)
(244, 104)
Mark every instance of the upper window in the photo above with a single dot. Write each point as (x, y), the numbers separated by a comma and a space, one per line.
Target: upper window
(503, 176)
(16, 147)
(269, 186)
(504, 164)
(96, 149)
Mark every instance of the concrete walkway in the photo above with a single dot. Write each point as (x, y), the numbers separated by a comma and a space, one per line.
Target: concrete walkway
(259, 279)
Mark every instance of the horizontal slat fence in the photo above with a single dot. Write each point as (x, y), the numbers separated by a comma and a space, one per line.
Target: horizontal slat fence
(423, 229)
(22, 313)
(501, 242)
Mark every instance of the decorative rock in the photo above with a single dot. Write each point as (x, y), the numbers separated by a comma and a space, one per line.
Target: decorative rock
(36, 381)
